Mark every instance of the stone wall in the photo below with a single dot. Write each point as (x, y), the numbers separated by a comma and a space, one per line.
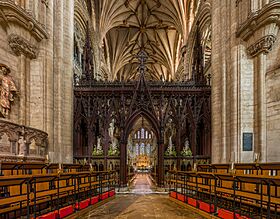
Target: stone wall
(245, 80)
(44, 79)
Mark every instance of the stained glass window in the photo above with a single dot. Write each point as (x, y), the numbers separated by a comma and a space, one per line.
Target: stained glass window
(142, 149)
(142, 133)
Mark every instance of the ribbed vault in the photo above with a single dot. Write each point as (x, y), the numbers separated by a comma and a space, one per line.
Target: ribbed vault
(159, 27)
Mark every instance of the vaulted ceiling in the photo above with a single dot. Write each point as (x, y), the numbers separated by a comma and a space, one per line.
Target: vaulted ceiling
(160, 27)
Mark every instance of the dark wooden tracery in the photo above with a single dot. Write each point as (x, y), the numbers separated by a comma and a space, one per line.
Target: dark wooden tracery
(97, 102)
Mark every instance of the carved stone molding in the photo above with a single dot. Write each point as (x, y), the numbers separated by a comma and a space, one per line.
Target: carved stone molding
(10, 129)
(45, 2)
(12, 13)
(269, 14)
(21, 46)
(264, 45)
(15, 132)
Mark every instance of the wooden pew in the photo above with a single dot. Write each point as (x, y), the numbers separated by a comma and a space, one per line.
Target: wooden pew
(33, 195)
(21, 168)
(266, 169)
(234, 192)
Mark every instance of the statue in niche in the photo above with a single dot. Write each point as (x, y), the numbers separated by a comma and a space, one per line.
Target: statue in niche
(21, 146)
(113, 149)
(97, 149)
(111, 166)
(111, 129)
(187, 150)
(170, 132)
(7, 90)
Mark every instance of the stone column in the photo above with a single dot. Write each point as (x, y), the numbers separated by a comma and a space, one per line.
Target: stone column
(58, 71)
(49, 81)
(27, 90)
(260, 106)
(217, 80)
(22, 104)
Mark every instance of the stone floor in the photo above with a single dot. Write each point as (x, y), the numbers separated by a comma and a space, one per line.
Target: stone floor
(142, 184)
(141, 204)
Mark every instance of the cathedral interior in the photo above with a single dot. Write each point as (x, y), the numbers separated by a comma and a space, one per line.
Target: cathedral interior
(119, 108)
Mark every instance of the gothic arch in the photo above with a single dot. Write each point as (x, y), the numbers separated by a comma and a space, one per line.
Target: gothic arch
(146, 114)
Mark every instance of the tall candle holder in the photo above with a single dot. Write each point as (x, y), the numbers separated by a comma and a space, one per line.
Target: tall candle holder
(232, 169)
(60, 170)
(195, 167)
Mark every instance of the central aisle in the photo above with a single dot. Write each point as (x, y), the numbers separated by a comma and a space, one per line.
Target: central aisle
(141, 206)
(142, 184)
(140, 203)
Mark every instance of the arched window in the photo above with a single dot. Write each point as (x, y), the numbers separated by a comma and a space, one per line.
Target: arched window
(137, 149)
(142, 133)
(142, 149)
(148, 149)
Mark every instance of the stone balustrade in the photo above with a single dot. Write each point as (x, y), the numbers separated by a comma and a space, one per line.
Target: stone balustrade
(19, 142)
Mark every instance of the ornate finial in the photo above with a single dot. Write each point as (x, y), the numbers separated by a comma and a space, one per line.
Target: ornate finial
(142, 57)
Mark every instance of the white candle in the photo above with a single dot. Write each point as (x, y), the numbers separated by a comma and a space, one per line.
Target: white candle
(232, 166)
(194, 167)
(256, 156)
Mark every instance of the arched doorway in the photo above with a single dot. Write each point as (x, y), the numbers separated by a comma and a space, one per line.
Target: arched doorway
(142, 149)
(141, 146)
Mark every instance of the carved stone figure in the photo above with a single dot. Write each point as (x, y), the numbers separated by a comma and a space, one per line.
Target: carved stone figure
(22, 146)
(186, 150)
(113, 149)
(170, 132)
(99, 143)
(7, 89)
(111, 129)
(97, 150)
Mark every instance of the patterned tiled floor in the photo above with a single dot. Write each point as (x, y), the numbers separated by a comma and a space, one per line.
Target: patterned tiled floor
(141, 204)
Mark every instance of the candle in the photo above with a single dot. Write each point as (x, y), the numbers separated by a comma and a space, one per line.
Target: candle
(256, 156)
(194, 167)
(232, 166)
(59, 166)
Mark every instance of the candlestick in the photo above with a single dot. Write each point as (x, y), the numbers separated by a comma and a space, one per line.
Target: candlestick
(195, 167)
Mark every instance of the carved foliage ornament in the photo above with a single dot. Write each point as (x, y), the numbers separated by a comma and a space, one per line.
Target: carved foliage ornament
(263, 45)
(21, 46)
